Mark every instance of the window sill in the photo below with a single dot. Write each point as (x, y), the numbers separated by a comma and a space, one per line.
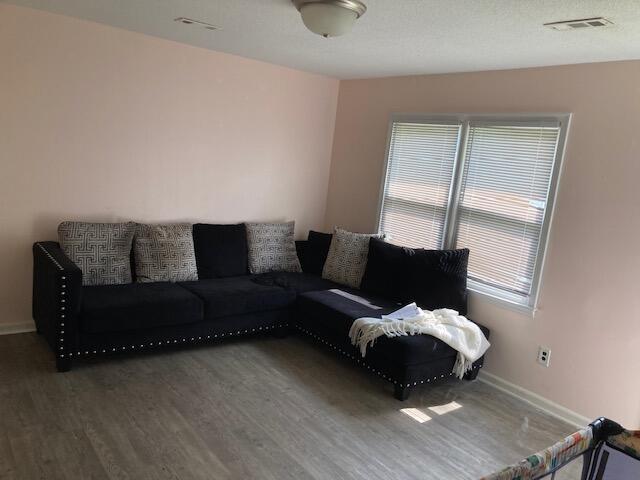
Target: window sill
(511, 305)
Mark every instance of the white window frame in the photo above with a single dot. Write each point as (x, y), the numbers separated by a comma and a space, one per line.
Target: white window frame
(522, 303)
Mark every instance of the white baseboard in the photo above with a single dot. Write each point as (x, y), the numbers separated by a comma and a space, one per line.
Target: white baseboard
(534, 399)
(11, 328)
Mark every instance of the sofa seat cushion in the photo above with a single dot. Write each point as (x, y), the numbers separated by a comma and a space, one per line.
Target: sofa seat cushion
(331, 313)
(337, 308)
(297, 282)
(238, 295)
(113, 308)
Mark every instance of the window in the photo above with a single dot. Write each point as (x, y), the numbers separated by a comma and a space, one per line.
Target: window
(486, 183)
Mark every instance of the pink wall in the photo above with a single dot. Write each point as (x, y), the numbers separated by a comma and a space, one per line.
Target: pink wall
(589, 310)
(100, 123)
(105, 124)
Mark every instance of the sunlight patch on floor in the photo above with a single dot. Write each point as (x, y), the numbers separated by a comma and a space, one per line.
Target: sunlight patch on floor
(421, 417)
(446, 408)
(416, 414)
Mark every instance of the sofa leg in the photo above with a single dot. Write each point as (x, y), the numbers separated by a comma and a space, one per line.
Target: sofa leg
(472, 374)
(401, 393)
(281, 332)
(63, 364)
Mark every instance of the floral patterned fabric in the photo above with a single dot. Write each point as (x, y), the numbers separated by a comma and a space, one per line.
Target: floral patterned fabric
(546, 460)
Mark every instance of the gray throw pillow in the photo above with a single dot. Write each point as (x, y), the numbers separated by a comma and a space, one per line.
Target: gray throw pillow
(347, 258)
(272, 248)
(101, 250)
(165, 253)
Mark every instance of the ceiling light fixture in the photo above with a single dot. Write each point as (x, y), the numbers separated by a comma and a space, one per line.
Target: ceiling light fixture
(330, 18)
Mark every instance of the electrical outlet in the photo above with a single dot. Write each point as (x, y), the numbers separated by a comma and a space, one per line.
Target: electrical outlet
(544, 356)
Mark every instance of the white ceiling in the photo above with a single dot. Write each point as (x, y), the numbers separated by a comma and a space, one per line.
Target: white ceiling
(394, 37)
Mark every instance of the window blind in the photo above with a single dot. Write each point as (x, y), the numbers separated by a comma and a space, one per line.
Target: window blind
(418, 181)
(502, 201)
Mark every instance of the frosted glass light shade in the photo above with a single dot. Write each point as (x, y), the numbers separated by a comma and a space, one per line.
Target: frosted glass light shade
(328, 20)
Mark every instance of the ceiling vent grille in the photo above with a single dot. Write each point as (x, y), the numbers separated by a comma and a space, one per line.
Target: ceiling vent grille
(596, 22)
(191, 21)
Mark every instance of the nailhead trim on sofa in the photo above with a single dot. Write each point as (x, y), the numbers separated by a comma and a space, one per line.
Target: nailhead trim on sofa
(363, 364)
(175, 341)
(62, 306)
(159, 343)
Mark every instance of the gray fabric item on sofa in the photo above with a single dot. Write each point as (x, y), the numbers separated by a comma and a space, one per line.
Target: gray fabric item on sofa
(272, 248)
(101, 250)
(165, 253)
(347, 258)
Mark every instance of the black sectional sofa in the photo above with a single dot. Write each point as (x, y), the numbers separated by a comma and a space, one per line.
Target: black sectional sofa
(81, 321)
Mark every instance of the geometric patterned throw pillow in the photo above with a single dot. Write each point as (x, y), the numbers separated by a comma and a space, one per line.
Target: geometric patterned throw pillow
(165, 253)
(272, 248)
(347, 258)
(101, 250)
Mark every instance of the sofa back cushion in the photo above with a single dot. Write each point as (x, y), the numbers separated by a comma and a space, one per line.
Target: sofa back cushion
(165, 253)
(316, 250)
(101, 250)
(387, 269)
(272, 248)
(347, 257)
(431, 278)
(437, 279)
(221, 250)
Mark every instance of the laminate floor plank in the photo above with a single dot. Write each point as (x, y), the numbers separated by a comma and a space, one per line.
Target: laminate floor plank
(255, 408)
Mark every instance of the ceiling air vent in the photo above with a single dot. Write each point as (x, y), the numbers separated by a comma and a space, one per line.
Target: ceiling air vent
(191, 21)
(582, 23)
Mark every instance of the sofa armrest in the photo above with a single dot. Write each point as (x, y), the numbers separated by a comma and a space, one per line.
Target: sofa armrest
(57, 291)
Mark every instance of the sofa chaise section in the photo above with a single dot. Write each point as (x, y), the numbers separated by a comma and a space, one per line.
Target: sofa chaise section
(406, 361)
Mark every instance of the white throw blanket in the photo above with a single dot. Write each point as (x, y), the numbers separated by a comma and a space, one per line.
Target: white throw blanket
(453, 329)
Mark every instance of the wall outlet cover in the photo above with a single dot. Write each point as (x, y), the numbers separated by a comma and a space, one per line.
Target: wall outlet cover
(544, 356)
